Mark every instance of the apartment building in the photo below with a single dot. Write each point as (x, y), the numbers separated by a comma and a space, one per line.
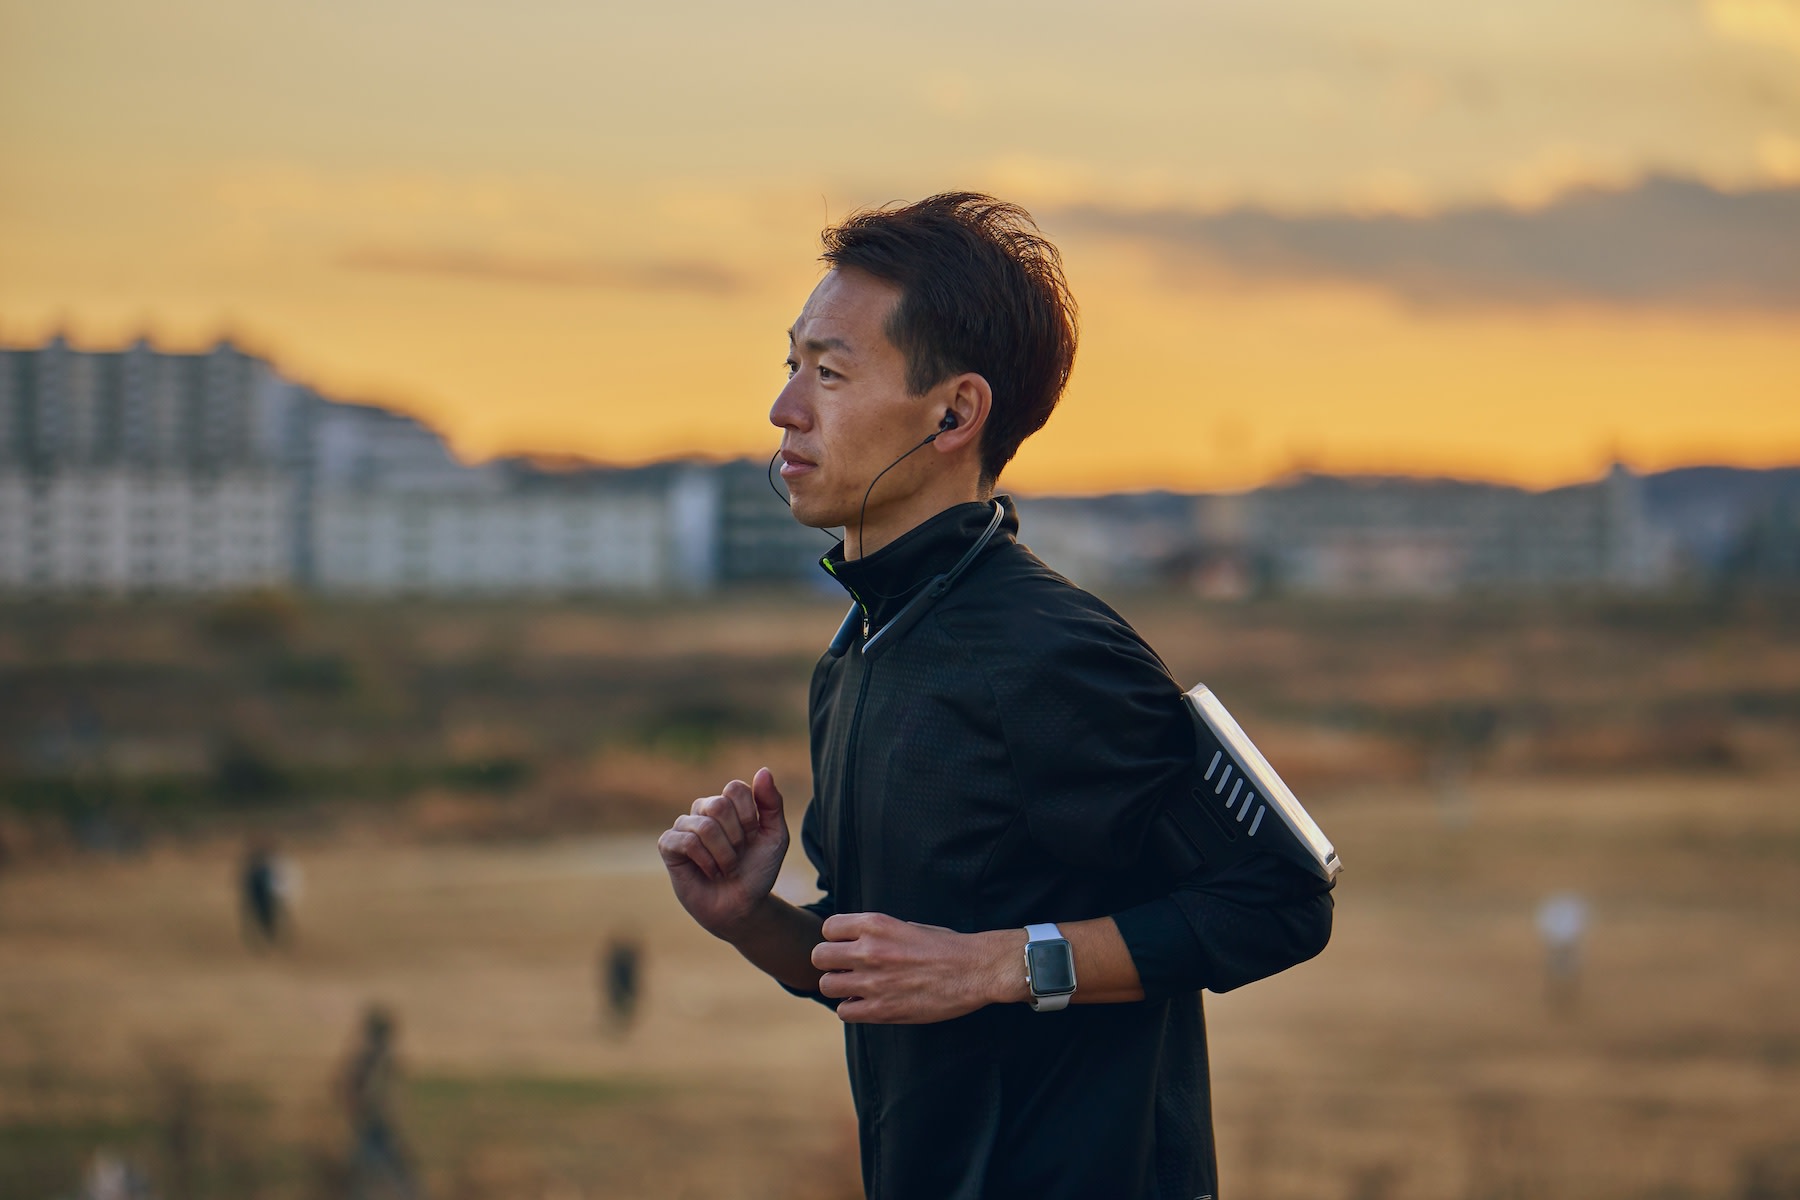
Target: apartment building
(141, 470)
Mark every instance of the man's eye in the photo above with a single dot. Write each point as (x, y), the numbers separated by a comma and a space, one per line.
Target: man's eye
(792, 366)
(827, 373)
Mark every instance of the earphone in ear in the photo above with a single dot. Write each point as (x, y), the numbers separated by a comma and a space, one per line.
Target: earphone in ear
(948, 423)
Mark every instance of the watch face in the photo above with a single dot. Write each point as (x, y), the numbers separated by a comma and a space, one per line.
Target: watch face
(1052, 968)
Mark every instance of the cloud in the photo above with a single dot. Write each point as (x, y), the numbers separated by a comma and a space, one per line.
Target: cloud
(1662, 242)
(664, 275)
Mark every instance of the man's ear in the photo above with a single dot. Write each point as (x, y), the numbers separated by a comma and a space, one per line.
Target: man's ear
(969, 399)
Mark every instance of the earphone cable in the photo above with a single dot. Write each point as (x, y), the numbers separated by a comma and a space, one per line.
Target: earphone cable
(863, 512)
(769, 474)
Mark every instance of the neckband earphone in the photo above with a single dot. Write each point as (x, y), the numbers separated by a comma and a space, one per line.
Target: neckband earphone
(918, 606)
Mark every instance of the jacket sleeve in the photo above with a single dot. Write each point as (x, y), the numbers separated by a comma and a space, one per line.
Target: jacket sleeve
(1102, 741)
(812, 841)
(1254, 919)
(1097, 736)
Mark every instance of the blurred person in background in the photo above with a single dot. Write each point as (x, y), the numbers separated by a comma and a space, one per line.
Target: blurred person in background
(262, 903)
(620, 966)
(1562, 923)
(990, 746)
(109, 1177)
(379, 1162)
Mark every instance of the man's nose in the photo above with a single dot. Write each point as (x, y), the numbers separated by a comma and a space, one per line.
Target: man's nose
(790, 410)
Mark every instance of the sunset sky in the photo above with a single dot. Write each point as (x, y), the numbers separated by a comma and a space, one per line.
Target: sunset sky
(1503, 240)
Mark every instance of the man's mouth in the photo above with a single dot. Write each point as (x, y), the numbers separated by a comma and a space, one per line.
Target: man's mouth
(793, 464)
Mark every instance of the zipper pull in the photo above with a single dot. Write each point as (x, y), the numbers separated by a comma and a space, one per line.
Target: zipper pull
(865, 624)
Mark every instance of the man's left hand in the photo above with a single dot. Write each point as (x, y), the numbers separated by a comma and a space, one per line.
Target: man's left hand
(893, 972)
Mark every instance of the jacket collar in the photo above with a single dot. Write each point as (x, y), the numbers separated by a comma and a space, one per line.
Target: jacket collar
(884, 581)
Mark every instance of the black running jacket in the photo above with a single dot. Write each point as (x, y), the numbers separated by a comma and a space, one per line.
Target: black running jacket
(1001, 764)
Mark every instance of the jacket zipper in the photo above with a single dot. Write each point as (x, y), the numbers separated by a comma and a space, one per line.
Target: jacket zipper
(847, 826)
(832, 571)
(846, 787)
(851, 857)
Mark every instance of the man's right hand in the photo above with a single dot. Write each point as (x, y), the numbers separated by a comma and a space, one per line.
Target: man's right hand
(724, 855)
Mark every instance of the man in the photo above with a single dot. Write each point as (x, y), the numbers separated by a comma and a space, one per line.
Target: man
(379, 1161)
(986, 757)
(259, 886)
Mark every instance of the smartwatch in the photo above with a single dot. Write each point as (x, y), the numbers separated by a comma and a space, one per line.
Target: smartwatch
(1049, 968)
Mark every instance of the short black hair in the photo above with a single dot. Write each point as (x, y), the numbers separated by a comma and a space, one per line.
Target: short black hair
(982, 290)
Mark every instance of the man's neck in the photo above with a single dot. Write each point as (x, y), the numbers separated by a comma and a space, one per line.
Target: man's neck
(906, 513)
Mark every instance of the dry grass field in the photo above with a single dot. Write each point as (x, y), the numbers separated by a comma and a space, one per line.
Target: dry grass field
(1467, 765)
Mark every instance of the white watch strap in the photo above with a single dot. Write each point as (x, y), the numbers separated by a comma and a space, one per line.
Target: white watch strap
(1045, 932)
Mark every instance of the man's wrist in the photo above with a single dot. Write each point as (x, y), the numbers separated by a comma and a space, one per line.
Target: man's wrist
(758, 918)
(1003, 952)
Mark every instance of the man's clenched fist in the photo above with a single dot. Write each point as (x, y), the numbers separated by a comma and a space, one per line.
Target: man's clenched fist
(892, 972)
(724, 854)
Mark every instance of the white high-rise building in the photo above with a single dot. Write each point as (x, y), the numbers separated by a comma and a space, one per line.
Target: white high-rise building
(139, 470)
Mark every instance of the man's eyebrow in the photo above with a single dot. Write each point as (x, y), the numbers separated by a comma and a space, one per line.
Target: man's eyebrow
(820, 345)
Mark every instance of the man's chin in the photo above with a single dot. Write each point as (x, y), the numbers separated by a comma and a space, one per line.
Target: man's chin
(818, 516)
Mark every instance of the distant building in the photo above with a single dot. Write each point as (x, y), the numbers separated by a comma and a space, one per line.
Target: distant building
(516, 531)
(142, 470)
(1131, 540)
(1328, 535)
(135, 470)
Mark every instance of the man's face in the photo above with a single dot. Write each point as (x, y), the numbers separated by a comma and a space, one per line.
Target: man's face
(845, 412)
